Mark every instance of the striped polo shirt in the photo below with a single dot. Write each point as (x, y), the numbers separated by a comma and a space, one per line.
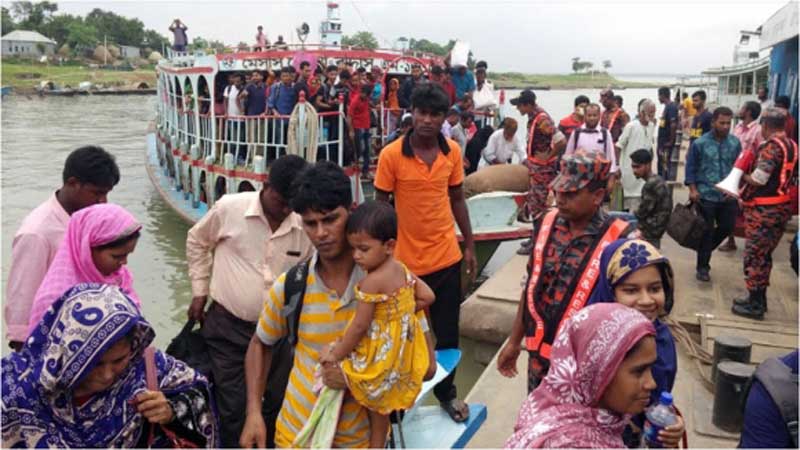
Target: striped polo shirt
(323, 319)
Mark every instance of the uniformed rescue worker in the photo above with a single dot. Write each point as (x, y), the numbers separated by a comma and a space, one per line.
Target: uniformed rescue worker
(563, 268)
(767, 195)
(542, 159)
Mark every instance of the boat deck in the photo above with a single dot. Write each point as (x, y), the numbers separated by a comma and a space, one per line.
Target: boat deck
(703, 308)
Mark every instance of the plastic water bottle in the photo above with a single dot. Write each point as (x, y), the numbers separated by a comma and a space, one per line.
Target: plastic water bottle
(658, 417)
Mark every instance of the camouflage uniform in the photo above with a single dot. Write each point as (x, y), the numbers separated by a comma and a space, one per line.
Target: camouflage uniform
(564, 257)
(541, 172)
(764, 224)
(654, 209)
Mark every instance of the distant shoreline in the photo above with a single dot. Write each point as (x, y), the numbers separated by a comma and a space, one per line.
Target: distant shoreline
(515, 80)
(17, 75)
(25, 77)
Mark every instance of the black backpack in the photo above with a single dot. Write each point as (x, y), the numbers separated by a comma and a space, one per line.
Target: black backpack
(283, 350)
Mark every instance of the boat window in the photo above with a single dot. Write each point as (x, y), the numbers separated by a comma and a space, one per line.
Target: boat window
(747, 83)
(762, 77)
(733, 85)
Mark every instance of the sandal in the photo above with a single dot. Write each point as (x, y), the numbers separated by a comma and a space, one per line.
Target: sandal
(453, 410)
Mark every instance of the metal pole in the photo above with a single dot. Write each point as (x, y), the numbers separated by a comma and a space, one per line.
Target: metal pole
(341, 129)
(105, 54)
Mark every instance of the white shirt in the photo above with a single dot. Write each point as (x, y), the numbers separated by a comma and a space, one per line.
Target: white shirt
(234, 256)
(484, 97)
(498, 149)
(446, 130)
(597, 139)
(634, 137)
(231, 93)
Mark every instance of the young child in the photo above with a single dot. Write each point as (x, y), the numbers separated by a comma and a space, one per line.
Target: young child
(384, 352)
(656, 204)
(635, 274)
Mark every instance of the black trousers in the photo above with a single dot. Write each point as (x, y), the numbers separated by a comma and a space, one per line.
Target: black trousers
(446, 284)
(227, 338)
(720, 219)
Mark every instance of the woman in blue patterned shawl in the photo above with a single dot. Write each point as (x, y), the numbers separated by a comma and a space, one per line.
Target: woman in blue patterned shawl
(634, 273)
(79, 381)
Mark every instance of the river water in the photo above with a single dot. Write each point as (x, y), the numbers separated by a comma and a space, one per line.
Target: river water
(38, 134)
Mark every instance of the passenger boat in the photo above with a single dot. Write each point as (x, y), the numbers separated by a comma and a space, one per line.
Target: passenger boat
(764, 57)
(196, 156)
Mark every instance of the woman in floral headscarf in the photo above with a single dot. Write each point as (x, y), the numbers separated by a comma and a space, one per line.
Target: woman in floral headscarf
(599, 376)
(79, 381)
(634, 273)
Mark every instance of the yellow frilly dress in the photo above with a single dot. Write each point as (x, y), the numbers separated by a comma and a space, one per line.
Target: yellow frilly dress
(384, 372)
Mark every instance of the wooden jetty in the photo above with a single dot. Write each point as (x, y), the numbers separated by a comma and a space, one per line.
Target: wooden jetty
(703, 309)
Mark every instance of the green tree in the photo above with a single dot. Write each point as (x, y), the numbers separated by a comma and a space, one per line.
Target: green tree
(362, 39)
(424, 45)
(8, 24)
(57, 28)
(116, 28)
(576, 64)
(607, 64)
(218, 46)
(199, 43)
(32, 16)
(81, 36)
(154, 40)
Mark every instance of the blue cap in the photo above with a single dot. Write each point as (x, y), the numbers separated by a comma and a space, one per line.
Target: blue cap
(666, 398)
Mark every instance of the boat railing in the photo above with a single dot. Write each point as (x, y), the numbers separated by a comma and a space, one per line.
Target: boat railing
(252, 141)
(390, 119)
(188, 55)
(484, 118)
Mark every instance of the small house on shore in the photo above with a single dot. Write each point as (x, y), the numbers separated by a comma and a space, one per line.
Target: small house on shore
(27, 44)
(129, 52)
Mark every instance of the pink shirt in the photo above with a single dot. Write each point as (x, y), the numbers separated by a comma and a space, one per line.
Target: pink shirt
(34, 247)
(261, 40)
(593, 140)
(235, 240)
(749, 136)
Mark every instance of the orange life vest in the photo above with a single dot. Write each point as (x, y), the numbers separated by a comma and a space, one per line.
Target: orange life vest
(531, 132)
(583, 289)
(786, 192)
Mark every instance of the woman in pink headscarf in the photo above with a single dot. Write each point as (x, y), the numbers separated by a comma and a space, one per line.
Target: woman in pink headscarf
(95, 249)
(599, 376)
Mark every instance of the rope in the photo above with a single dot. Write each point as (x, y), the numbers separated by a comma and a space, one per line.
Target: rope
(698, 354)
(311, 125)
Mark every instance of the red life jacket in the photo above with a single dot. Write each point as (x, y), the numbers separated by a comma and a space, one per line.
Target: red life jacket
(787, 184)
(531, 132)
(583, 288)
(613, 119)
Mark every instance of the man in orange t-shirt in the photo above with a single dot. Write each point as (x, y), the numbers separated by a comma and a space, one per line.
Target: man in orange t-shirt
(424, 172)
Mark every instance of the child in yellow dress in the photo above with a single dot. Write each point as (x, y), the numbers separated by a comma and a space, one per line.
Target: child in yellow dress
(385, 353)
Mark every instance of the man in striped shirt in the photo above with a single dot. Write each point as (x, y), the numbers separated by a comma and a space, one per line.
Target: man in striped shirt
(323, 200)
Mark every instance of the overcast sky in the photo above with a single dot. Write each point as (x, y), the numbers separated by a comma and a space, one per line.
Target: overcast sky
(638, 36)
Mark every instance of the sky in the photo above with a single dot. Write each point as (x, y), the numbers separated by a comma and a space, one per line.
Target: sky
(534, 36)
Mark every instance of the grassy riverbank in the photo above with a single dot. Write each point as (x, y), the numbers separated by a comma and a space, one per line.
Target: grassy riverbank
(516, 80)
(25, 76)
